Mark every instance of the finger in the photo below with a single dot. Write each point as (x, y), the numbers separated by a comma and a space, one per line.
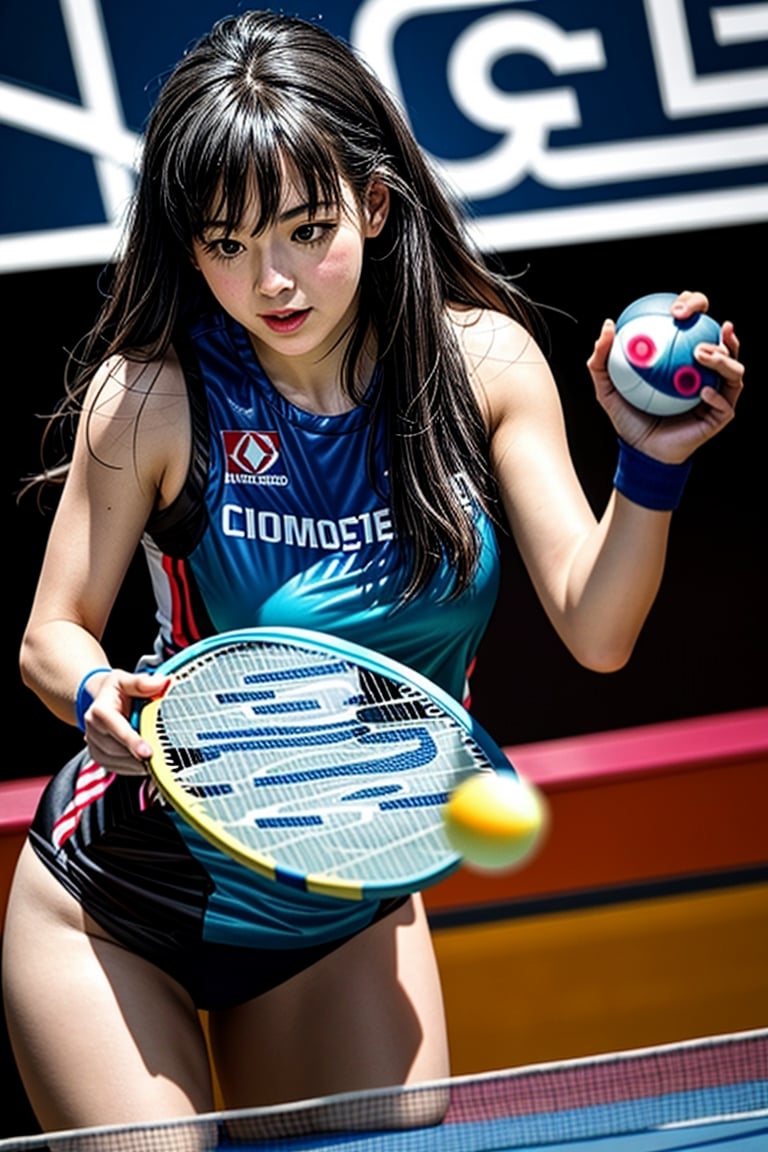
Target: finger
(121, 765)
(113, 734)
(599, 358)
(687, 303)
(719, 358)
(150, 686)
(113, 754)
(730, 339)
(725, 398)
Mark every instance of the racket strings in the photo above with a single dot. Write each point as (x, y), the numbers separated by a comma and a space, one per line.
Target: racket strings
(331, 768)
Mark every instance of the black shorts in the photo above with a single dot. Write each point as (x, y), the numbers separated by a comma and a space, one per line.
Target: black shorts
(219, 976)
(124, 861)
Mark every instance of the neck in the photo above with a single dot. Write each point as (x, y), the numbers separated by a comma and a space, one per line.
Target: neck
(315, 383)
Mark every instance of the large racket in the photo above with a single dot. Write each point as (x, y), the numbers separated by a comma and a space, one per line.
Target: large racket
(318, 763)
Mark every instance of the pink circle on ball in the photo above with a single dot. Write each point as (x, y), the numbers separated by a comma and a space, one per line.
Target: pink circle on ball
(640, 350)
(687, 380)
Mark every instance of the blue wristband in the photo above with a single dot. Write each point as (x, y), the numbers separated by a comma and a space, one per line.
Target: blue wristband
(83, 700)
(648, 482)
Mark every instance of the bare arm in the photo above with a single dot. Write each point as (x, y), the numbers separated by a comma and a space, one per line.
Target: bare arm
(130, 456)
(597, 578)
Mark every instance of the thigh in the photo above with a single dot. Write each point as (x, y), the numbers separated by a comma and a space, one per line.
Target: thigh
(100, 1035)
(369, 1014)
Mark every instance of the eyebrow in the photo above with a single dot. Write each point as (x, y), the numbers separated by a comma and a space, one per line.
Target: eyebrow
(305, 210)
(283, 217)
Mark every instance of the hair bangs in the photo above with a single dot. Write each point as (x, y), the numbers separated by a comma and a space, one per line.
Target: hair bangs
(234, 166)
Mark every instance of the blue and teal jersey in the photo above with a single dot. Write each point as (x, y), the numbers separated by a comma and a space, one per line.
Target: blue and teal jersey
(294, 527)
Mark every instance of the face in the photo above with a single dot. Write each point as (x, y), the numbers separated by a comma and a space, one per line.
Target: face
(294, 286)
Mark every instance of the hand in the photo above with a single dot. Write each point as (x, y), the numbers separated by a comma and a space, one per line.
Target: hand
(112, 740)
(674, 438)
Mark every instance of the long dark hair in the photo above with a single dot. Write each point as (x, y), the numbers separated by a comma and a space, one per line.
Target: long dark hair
(261, 91)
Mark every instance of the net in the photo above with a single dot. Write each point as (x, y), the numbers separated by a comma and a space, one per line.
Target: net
(702, 1093)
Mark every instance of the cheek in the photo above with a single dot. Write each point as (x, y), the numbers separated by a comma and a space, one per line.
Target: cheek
(342, 266)
(223, 284)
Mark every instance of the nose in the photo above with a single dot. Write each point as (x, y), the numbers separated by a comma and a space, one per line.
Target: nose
(273, 276)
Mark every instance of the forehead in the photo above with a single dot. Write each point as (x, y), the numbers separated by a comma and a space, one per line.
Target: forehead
(261, 202)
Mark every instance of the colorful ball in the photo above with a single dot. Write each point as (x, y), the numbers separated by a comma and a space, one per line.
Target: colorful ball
(651, 361)
(495, 820)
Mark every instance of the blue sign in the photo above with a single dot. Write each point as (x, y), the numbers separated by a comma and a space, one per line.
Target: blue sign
(554, 121)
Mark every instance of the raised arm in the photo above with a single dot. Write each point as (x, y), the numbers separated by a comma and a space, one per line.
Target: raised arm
(597, 578)
(129, 457)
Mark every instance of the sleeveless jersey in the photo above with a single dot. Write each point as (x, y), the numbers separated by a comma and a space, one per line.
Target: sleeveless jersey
(292, 530)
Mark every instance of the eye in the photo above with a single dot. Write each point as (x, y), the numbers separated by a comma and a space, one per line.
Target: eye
(224, 248)
(313, 231)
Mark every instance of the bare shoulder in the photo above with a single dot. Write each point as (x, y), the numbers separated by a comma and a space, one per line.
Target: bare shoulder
(136, 416)
(124, 389)
(506, 367)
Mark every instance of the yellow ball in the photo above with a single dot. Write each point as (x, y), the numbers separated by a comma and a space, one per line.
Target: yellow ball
(495, 820)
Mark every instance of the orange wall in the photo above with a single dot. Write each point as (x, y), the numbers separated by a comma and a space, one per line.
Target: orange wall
(670, 800)
(604, 979)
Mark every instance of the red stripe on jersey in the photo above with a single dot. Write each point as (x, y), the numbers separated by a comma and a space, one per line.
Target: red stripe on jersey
(184, 629)
(467, 701)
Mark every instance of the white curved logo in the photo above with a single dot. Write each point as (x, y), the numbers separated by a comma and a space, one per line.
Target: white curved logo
(526, 122)
(96, 127)
(539, 136)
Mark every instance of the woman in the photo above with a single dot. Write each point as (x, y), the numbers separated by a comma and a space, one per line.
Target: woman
(310, 401)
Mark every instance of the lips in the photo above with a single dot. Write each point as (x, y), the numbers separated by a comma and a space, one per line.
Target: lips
(285, 322)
